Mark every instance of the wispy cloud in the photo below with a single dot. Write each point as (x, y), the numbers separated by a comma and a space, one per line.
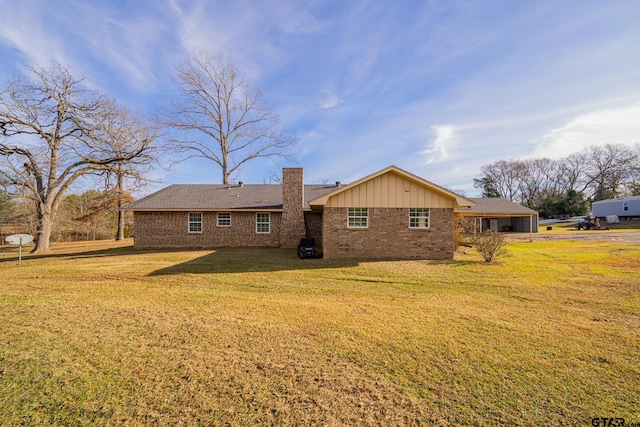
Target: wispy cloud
(26, 30)
(436, 150)
(439, 88)
(613, 126)
(330, 99)
(95, 40)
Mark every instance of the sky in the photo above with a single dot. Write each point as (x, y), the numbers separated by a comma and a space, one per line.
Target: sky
(438, 88)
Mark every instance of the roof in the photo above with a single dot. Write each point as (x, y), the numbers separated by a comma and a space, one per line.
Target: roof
(620, 199)
(188, 197)
(496, 206)
(460, 201)
(252, 197)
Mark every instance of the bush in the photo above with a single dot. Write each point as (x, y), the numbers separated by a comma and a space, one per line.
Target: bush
(463, 232)
(490, 245)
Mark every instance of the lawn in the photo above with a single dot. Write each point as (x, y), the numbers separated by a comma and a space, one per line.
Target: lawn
(101, 334)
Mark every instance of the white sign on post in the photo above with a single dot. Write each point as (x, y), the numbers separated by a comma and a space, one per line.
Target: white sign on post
(19, 239)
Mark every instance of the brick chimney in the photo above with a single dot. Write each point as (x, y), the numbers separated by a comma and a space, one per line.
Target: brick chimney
(292, 228)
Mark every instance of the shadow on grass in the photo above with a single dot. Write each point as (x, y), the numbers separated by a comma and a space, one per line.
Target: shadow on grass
(248, 260)
(77, 254)
(218, 260)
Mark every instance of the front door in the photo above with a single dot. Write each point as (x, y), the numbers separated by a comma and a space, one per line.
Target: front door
(493, 225)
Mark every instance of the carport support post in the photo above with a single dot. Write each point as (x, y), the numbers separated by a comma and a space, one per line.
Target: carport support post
(531, 228)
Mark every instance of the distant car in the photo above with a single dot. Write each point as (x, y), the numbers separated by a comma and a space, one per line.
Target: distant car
(307, 249)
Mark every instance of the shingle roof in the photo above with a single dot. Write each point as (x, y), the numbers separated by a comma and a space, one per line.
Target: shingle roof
(497, 205)
(217, 197)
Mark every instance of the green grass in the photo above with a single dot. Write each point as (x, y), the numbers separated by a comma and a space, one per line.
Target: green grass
(103, 334)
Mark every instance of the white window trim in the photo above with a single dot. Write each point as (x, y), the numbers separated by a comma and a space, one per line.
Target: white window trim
(360, 216)
(218, 219)
(189, 222)
(268, 222)
(427, 217)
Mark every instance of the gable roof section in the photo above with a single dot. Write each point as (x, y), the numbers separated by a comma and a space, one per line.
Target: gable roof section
(206, 197)
(458, 200)
(496, 206)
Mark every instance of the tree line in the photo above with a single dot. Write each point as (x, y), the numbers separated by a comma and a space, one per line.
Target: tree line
(55, 130)
(92, 215)
(566, 186)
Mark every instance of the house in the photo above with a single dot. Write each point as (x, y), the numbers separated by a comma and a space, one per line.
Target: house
(388, 214)
(623, 207)
(498, 214)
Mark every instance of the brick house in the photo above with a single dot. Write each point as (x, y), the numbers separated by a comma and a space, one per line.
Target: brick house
(388, 214)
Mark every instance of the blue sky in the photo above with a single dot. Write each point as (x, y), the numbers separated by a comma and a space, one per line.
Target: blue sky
(438, 88)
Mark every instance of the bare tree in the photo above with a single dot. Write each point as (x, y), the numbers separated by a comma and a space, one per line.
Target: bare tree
(501, 179)
(609, 169)
(221, 118)
(52, 133)
(634, 182)
(120, 131)
(572, 173)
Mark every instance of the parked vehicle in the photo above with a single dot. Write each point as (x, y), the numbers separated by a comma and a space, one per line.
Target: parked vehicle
(590, 223)
(307, 249)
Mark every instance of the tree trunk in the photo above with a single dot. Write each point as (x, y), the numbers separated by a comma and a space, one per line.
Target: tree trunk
(119, 192)
(120, 235)
(43, 233)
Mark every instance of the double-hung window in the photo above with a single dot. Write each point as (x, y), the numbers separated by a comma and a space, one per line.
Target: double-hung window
(419, 218)
(625, 206)
(224, 219)
(357, 218)
(195, 222)
(263, 223)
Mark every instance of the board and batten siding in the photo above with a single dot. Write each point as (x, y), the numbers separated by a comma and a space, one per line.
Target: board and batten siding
(389, 191)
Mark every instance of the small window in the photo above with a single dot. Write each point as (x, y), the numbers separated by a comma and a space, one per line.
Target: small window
(625, 206)
(195, 222)
(224, 219)
(358, 218)
(419, 218)
(262, 223)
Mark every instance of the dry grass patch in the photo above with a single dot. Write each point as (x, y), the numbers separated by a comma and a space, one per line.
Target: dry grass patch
(107, 335)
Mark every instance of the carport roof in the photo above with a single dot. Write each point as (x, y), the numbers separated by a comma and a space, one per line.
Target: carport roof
(496, 206)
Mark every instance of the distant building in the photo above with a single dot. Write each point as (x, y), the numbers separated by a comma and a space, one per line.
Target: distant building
(624, 207)
(498, 214)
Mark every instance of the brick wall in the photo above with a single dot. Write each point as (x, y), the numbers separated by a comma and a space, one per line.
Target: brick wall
(293, 227)
(313, 224)
(388, 235)
(169, 229)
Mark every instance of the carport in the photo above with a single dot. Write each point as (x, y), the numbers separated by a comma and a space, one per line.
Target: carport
(498, 214)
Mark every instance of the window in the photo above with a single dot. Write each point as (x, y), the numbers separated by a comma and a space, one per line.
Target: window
(358, 218)
(195, 222)
(625, 206)
(262, 223)
(224, 219)
(419, 218)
